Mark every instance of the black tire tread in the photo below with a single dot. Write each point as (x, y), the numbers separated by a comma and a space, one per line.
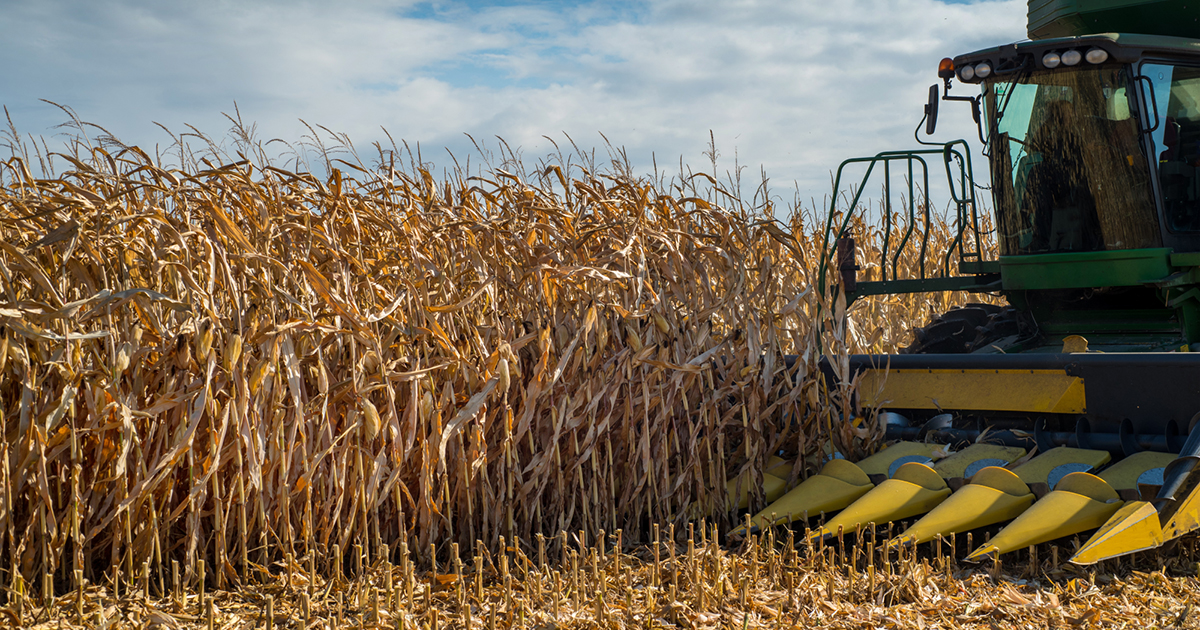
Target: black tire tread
(964, 329)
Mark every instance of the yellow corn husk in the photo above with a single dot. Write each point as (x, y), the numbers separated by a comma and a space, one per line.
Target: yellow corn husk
(503, 375)
(124, 351)
(426, 406)
(370, 419)
(661, 323)
(16, 354)
(370, 362)
(514, 364)
(204, 339)
(631, 338)
(183, 353)
(258, 373)
(233, 352)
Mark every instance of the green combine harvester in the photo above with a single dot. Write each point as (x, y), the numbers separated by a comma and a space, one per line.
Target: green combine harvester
(1075, 407)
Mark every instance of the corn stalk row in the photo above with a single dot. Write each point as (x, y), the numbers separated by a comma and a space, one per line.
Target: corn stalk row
(231, 362)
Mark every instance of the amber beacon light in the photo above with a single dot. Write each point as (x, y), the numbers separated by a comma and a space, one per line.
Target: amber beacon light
(946, 68)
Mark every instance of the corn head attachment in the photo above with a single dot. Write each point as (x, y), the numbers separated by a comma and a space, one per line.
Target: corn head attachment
(838, 485)
(914, 489)
(996, 494)
(1141, 525)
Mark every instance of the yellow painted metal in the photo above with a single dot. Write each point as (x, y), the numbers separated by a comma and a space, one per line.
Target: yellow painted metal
(1088, 485)
(1124, 474)
(1139, 526)
(1001, 479)
(838, 484)
(1081, 501)
(1134, 527)
(1186, 518)
(916, 488)
(919, 474)
(773, 487)
(913, 490)
(956, 464)
(1037, 470)
(1074, 343)
(881, 462)
(779, 467)
(993, 496)
(1033, 391)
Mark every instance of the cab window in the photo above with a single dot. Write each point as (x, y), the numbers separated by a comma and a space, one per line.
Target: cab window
(1177, 142)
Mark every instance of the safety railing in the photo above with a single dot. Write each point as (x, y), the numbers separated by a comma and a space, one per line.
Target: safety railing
(956, 158)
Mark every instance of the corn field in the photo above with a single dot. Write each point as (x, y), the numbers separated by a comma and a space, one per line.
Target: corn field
(226, 363)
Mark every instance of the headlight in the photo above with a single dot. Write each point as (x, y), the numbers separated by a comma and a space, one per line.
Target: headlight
(1071, 58)
(1051, 60)
(1097, 55)
(983, 70)
(966, 73)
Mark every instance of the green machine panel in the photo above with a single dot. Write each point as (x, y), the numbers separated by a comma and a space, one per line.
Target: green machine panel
(1116, 268)
(1070, 18)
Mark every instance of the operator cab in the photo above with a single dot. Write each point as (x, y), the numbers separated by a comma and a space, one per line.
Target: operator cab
(1093, 142)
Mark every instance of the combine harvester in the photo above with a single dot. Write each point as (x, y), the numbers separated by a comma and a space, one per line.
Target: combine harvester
(1073, 408)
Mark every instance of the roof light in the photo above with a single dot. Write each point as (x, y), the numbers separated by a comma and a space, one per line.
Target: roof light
(946, 68)
(1097, 55)
(966, 73)
(983, 70)
(1051, 60)
(1072, 57)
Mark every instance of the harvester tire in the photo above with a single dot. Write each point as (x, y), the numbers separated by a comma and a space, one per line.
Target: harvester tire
(964, 329)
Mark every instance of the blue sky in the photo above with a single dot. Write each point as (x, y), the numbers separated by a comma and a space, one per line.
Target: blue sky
(787, 87)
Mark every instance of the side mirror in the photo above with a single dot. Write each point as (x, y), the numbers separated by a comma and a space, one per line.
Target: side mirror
(931, 110)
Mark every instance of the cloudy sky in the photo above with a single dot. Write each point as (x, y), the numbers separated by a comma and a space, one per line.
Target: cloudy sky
(787, 86)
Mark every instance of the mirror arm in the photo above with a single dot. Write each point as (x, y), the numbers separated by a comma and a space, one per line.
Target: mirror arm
(917, 134)
(931, 111)
(974, 101)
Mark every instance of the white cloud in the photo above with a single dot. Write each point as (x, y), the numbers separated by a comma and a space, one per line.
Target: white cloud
(794, 87)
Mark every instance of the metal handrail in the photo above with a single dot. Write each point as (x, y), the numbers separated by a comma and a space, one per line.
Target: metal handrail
(963, 198)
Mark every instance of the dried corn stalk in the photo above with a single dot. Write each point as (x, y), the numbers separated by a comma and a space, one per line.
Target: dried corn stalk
(242, 362)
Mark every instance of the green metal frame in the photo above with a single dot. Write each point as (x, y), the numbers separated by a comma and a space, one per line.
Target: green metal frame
(1112, 268)
(1171, 325)
(1169, 320)
(963, 197)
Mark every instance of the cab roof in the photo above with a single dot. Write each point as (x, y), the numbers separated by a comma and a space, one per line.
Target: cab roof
(1121, 48)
